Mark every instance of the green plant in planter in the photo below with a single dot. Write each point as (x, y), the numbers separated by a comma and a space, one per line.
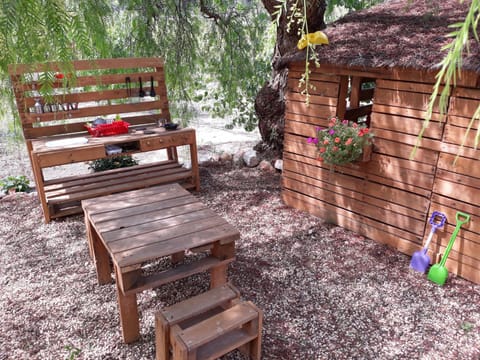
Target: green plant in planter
(15, 183)
(342, 142)
(113, 162)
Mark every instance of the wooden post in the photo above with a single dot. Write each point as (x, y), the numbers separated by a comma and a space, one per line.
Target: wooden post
(218, 274)
(38, 174)
(194, 160)
(100, 257)
(127, 305)
(342, 97)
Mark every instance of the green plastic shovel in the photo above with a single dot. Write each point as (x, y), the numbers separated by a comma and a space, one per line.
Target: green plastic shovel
(438, 273)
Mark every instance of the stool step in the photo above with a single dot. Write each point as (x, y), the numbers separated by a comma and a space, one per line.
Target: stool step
(190, 312)
(199, 304)
(215, 336)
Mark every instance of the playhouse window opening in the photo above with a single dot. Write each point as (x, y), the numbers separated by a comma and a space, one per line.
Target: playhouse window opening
(359, 99)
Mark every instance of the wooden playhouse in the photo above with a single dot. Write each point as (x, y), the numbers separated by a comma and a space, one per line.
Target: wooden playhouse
(381, 63)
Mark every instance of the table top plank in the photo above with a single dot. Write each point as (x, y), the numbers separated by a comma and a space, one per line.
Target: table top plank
(164, 234)
(147, 224)
(225, 233)
(144, 213)
(137, 225)
(118, 201)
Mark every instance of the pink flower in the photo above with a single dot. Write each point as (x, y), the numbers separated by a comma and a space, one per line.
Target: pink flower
(312, 140)
(345, 122)
(326, 142)
(355, 125)
(337, 140)
(349, 141)
(335, 148)
(322, 150)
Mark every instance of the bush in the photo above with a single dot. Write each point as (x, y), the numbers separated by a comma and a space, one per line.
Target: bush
(113, 162)
(19, 183)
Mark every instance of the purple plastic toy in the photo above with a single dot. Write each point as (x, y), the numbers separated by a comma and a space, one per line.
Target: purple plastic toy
(420, 260)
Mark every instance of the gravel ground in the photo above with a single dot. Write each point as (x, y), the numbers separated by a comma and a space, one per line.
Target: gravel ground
(327, 293)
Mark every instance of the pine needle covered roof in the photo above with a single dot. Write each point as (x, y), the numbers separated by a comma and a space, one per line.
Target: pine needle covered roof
(397, 33)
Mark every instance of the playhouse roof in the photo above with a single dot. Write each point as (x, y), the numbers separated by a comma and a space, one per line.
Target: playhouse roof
(397, 33)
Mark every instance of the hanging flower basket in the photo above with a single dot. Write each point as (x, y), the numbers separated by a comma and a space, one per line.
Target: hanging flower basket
(343, 142)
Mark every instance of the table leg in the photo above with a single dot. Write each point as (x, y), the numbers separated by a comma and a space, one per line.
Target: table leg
(100, 258)
(177, 257)
(218, 274)
(89, 236)
(127, 306)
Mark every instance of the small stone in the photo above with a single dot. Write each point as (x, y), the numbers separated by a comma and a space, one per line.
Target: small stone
(238, 158)
(226, 157)
(278, 164)
(266, 166)
(250, 158)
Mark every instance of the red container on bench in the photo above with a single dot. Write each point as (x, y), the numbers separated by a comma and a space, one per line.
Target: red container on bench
(115, 128)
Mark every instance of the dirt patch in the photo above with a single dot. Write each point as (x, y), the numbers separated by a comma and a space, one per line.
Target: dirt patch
(327, 293)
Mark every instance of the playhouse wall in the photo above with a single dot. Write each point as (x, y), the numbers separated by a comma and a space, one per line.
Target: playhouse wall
(390, 198)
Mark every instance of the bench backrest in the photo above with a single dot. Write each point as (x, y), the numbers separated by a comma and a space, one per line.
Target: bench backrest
(58, 99)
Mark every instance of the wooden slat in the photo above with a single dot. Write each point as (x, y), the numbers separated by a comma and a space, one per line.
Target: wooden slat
(199, 304)
(406, 86)
(167, 213)
(404, 99)
(379, 195)
(402, 111)
(356, 203)
(455, 190)
(177, 273)
(167, 223)
(319, 88)
(406, 125)
(118, 63)
(431, 144)
(354, 222)
(138, 255)
(463, 122)
(462, 107)
(118, 185)
(471, 208)
(471, 93)
(384, 170)
(150, 233)
(314, 120)
(61, 186)
(224, 344)
(314, 99)
(299, 107)
(209, 329)
(296, 72)
(455, 135)
(464, 166)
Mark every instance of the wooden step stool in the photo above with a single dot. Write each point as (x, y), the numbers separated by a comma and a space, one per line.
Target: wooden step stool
(208, 326)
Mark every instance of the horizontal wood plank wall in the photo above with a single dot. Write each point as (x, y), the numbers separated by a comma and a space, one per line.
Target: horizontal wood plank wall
(457, 186)
(386, 199)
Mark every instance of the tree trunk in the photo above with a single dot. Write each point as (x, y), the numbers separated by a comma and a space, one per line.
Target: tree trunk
(270, 101)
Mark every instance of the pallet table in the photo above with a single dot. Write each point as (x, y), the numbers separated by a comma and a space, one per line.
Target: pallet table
(142, 226)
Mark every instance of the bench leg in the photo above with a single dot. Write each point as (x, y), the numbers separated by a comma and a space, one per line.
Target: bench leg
(127, 306)
(218, 274)
(100, 257)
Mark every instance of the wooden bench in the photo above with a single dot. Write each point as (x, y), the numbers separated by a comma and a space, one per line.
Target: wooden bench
(208, 326)
(55, 101)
